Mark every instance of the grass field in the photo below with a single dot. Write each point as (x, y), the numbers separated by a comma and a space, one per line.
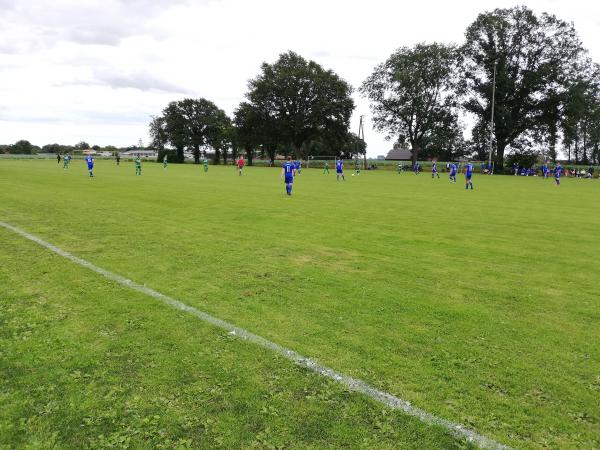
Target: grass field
(481, 307)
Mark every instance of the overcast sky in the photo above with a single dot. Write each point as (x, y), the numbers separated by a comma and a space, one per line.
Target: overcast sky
(97, 70)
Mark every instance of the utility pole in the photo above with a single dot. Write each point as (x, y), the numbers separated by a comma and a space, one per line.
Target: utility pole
(492, 120)
(361, 135)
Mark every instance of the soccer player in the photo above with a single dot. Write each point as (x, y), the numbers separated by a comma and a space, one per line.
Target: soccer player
(298, 166)
(58, 158)
(434, 171)
(66, 161)
(417, 168)
(90, 163)
(165, 161)
(356, 167)
(557, 173)
(326, 168)
(138, 165)
(339, 170)
(118, 158)
(205, 163)
(453, 173)
(400, 168)
(469, 175)
(240, 165)
(288, 171)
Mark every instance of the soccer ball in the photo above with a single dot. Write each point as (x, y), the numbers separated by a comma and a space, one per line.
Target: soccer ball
(352, 174)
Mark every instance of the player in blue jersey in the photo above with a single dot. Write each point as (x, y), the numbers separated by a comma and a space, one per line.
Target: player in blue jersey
(288, 170)
(90, 163)
(298, 166)
(546, 171)
(453, 173)
(339, 169)
(468, 175)
(434, 171)
(417, 168)
(557, 173)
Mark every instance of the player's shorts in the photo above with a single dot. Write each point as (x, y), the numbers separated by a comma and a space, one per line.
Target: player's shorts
(289, 179)
(90, 166)
(468, 177)
(339, 171)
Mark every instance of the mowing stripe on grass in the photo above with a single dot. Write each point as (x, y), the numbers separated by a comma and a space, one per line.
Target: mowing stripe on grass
(352, 384)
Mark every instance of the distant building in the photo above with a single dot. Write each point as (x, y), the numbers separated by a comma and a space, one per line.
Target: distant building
(380, 157)
(140, 153)
(399, 154)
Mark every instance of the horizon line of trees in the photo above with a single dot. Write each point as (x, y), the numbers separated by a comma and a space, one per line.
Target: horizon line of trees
(293, 107)
(546, 90)
(24, 147)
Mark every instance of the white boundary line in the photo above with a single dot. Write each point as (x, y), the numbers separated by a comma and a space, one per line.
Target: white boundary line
(352, 384)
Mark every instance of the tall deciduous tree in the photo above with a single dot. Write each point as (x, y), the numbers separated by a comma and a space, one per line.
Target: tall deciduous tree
(581, 118)
(176, 129)
(51, 148)
(207, 125)
(22, 147)
(158, 133)
(193, 123)
(299, 100)
(534, 56)
(413, 93)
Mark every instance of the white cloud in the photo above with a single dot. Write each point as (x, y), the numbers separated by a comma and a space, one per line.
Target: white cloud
(95, 70)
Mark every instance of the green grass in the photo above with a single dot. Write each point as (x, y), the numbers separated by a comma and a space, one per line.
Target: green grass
(481, 307)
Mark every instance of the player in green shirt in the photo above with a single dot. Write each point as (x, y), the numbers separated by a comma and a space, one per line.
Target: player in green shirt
(165, 161)
(66, 161)
(326, 168)
(400, 168)
(205, 163)
(138, 166)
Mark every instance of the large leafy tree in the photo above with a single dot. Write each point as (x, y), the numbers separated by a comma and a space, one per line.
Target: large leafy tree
(51, 148)
(23, 147)
(534, 58)
(175, 129)
(192, 123)
(581, 119)
(207, 126)
(414, 94)
(299, 100)
(255, 130)
(447, 142)
(158, 133)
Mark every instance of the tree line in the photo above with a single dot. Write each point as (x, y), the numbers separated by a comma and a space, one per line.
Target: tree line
(546, 89)
(293, 106)
(24, 147)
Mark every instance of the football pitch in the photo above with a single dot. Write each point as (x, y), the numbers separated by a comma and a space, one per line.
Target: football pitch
(479, 307)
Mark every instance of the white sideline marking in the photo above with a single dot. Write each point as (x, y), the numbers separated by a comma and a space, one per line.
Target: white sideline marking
(352, 384)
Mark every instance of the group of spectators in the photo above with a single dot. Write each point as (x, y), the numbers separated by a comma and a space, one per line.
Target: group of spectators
(539, 170)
